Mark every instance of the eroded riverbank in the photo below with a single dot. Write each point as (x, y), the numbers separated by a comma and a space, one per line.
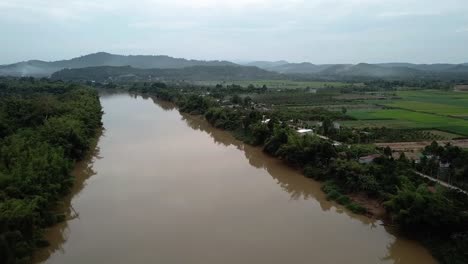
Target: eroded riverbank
(170, 188)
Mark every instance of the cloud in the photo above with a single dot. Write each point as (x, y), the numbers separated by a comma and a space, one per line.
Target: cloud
(406, 14)
(318, 30)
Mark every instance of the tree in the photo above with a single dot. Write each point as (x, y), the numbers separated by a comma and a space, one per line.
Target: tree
(344, 110)
(420, 209)
(236, 99)
(247, 101)
(387, 151)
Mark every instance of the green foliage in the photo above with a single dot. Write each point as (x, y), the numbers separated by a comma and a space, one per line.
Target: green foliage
(260, 133)
(455, 157)
(311, 171)
(334, 193)
(195, 104)
(356, 208)
(418, 208)
(47, 126)
(409, 202)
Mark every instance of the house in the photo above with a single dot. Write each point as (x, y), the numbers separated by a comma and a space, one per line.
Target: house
(304, 131)
(337, 144)
(444, 165)
(336, 125)
(368, 159)
(266, 121)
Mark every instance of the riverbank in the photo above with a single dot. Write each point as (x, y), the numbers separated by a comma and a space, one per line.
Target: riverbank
(82, 171)
(170, 187)
(387, 180)
(45, 128)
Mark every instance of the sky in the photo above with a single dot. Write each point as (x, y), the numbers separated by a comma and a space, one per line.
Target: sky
(317, 31)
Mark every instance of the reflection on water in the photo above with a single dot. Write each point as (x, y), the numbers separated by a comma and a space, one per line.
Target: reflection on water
(170, 188)
(290, 180)
(57, 235)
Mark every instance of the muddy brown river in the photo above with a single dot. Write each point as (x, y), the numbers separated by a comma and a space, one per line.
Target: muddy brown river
(162, 187)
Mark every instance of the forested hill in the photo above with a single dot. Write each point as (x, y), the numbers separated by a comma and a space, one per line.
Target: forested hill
(380, 70)
(303, 71)
(39, 68)
(194, 73)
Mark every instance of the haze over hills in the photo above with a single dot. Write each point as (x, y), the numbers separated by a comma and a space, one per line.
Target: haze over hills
(353, 69)
(193, 73)
(139, 64)
(39, 68)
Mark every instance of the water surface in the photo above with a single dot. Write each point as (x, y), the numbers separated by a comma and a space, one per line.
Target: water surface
(168, 188)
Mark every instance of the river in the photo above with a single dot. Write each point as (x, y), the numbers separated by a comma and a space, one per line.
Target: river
(162, 187)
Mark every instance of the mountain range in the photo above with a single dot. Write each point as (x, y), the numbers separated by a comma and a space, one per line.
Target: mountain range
(39, 68)
(140, 64)
(379, 70)
(192, 73)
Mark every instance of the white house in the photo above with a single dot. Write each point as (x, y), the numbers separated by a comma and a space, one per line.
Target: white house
(304, 131)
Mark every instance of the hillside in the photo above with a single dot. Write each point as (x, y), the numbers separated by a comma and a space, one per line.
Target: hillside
(303, 71)
(365, 70)
(39, 68)
(194, 73)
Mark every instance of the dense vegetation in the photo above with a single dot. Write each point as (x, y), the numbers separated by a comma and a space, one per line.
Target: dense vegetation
(398, 72)
(193, 73)
(44, 69)
(44, 128)
(269, 118)
(448, 162)
(437, 216)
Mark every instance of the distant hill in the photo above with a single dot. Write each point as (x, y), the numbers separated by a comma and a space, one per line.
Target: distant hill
(193, 73)
(42, 68)
(365, 70)
(422, 67)
(267, 64)
(458, 68)
(298, 71)
(371, 70)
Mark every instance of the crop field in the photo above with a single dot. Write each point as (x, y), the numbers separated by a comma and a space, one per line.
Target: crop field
(389, 123)
(413, 120)
(281, 84)
(436, 102)
(294, 98)
(434, 108)
(444, 113)
(425, 109)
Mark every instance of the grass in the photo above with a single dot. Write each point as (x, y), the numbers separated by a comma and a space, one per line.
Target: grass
(428, 107)
(333, 193)
(433, 101)
(411, 119)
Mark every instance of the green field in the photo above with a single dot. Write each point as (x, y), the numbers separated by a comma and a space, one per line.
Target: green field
(436, 102)
(424, 109)
(410, 119)
(435, 108)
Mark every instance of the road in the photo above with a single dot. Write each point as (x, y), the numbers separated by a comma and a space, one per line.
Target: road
(440, 182)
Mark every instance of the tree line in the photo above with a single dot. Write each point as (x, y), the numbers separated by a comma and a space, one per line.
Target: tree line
(435, 215)
(44, 128)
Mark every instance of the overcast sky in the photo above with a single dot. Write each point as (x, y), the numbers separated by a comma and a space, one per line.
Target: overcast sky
(318, 31)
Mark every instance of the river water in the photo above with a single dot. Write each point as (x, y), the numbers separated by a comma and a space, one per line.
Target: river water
(162, 187)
